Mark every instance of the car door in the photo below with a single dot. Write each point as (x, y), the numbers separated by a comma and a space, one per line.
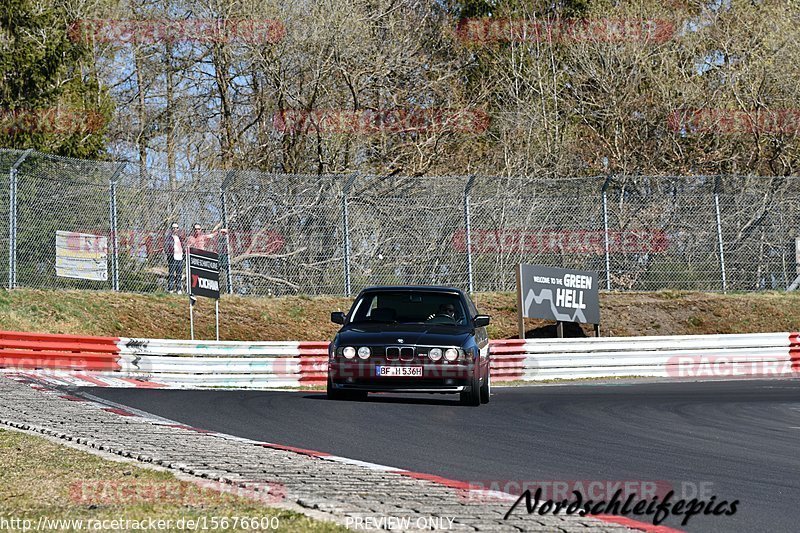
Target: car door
(481, 336)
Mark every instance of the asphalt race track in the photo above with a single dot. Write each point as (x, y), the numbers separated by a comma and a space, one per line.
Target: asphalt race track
(737, 440)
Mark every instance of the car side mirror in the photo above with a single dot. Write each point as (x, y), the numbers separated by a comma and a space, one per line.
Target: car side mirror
(481, 321)
(337, 317)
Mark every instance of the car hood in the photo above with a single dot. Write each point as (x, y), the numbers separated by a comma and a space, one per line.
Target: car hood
(382, 333)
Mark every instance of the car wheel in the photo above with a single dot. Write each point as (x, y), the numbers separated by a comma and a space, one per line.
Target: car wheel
(486, 388)
(334, 394)
(473, 396)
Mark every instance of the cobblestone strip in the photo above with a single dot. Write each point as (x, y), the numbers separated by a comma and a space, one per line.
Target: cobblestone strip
(337, 489)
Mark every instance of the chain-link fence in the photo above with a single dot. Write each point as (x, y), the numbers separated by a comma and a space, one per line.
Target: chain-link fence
(335, 234)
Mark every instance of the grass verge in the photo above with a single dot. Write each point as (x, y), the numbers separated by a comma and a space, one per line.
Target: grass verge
(304, 318)
(42, 480)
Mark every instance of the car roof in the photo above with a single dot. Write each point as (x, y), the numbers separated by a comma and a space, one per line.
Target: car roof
(413, 288)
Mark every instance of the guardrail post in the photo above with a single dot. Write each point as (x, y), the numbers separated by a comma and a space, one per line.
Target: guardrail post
(468, 230)
(112, 215)
(605, 231)
(719, 235)
(12, 219)
(346, 230)
(224, 195)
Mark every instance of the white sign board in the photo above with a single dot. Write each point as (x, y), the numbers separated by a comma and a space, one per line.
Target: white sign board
(81, 256)
(797, 253)
(560, 294)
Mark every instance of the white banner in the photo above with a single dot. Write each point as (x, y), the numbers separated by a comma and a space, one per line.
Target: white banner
(81, 255)
(797, 253)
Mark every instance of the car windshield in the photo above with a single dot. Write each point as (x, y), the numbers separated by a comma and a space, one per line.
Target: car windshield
(409, 307)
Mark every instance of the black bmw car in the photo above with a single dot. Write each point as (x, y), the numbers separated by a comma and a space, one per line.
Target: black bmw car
(410, 339)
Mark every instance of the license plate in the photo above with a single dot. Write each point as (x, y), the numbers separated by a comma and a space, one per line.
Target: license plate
(399, 371)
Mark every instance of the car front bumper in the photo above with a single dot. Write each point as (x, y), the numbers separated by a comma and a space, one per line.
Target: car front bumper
(441, 377)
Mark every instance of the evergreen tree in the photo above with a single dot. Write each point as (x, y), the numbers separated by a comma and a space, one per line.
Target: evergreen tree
(50, 97)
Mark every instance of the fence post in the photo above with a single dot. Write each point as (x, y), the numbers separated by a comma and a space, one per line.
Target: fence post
(346, 230)
(224, 194)
(605, 231)
(112, 215)
(12, 219)
(468, 230)
(717, 181)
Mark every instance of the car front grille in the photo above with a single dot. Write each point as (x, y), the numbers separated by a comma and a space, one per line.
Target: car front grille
(403, 353)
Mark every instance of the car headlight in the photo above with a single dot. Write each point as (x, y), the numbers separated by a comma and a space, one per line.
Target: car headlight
(451, 354)
(349, 352)
(363, 352)
(435, 354)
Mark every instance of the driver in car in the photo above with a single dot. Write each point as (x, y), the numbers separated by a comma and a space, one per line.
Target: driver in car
(448, 310)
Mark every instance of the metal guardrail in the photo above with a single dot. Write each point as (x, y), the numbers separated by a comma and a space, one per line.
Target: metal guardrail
(114, 361)
(224, 363)
(45, 351)
(682, 356)
(185, 364)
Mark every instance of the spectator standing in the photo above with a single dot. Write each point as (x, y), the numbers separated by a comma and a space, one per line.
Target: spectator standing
(204, 241)
(173, 249)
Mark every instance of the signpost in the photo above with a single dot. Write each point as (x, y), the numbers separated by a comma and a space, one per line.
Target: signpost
(559, 294)
(202, 276)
